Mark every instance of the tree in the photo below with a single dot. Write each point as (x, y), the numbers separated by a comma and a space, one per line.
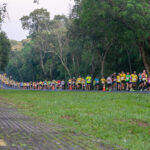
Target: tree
(37, 23)
(4, 50)
(101, 41)
(59, 40)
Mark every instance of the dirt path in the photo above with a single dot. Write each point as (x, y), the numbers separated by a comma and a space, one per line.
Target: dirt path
(20, 132)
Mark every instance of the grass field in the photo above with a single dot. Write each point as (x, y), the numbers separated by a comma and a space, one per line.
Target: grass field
(116, 118)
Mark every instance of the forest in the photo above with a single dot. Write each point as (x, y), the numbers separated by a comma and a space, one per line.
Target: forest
(98, 38)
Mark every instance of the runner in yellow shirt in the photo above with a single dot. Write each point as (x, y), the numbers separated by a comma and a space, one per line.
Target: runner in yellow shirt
(103, 80)
(88, 82)
(69, 83)
(83, 84)
(134, 78)
(118, 82)
(79, 82)
(123, 80)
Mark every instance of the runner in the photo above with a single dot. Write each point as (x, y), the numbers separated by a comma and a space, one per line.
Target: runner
(144, 78)
(88, 82)
(37, 85)
(53, 84)
(63, 84)
(31, 85)
(49, 84)
(45, 84)
(118, 82)
(96, 84)
(58, 84)
(109, 83)
(28, 85)
(140, 82)
(79, 82)
(18, 84)
(114, 79)
(103, 82)
(69, 83)
(25, 85)
(21, 84)
(40, 85)
(128, 76)
(73, 83)
(83, 84)
(123, 78)
(133, 81)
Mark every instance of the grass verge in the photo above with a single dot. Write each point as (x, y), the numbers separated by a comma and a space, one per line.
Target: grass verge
(118, 118)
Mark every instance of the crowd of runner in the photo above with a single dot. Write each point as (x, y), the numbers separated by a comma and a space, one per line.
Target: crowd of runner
(120, 82)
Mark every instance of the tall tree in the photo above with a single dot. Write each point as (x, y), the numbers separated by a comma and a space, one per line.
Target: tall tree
(4, 50)
(59, 44)
(37, 23)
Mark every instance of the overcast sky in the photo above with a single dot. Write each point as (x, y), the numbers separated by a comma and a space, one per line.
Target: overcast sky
(18, 8)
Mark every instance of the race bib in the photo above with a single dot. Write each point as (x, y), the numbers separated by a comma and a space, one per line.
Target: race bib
(134, 79)
(97, 81)
(118, 80)
(144, 79)
(122, 78)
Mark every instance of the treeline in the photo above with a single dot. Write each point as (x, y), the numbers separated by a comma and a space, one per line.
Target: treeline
(98, 38)
(5, 47)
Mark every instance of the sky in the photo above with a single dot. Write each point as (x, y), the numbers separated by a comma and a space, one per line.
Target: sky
(18, 8)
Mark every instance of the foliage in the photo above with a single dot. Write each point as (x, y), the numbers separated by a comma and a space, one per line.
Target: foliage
(99, 38)
(4, 50)
(16, 45)
(126, 21)
(37, 21)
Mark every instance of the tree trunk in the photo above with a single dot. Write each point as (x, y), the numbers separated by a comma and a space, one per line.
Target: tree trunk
(20, 76)
(103, 58)
(60, 55)
(51, 71)
(74, 64)
(102, 67)
(42, 64)
(145, 56)
(129, 61)
(65, 66)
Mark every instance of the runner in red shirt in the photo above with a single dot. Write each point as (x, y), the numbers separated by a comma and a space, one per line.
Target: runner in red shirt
(58, 84)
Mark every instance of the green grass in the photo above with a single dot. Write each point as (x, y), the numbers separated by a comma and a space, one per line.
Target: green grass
(116, 118)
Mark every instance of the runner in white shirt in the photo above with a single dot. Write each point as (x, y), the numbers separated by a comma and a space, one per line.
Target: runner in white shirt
(109, 83)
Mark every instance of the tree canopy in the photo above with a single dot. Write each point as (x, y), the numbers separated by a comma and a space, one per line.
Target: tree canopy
(127, 20)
